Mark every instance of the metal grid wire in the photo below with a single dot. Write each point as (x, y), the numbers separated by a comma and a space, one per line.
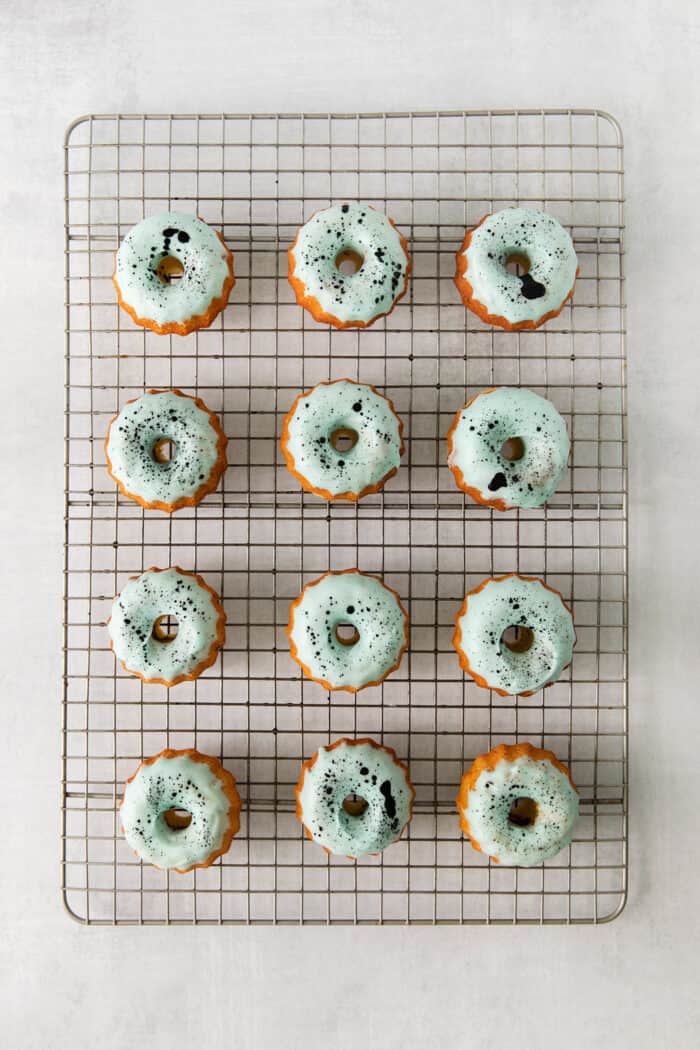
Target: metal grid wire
(260, 538)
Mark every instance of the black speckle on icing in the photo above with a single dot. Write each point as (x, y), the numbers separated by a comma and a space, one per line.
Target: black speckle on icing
(389, 800)
(531, 288)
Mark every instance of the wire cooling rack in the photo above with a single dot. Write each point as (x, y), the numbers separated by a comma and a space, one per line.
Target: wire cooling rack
(260, 538)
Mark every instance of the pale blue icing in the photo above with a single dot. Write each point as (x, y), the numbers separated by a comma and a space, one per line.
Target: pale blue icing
(489, 804)
(371, 773)
(135, 433)
(195, 244)
(350, 406)
(155, 594)
(358, 600)
(546, 244)
(515, 602)
(175, 782)
(375, 287)
(493, 418)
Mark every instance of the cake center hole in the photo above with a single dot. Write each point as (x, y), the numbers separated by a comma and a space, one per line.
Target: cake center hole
(354, 805)
(343, 439)
(518, 638)
(347, 633)
(513, 449)
(170, 269)
(348, 261)
(165, 629)
(163, 450)
(177, 819)
(523, 812)
(517, 263)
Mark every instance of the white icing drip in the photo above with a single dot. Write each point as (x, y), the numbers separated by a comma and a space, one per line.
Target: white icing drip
(524, 603)
(336, 406)
(489, 804)
(138, 428)
(523, 231)
(202, 255)
(175, 783)
(492, 419)
(371, 773)
(358, 600)
(149, 597)
(375, 287)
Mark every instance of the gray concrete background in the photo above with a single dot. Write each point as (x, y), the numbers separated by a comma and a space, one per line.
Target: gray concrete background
(629, 984)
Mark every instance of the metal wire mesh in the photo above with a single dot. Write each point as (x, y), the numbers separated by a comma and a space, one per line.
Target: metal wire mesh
(260, 538)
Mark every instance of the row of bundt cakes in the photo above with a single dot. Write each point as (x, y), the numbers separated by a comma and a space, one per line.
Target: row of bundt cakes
(507, 447)
(517, 804)
(347, 630)
(348, 266)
